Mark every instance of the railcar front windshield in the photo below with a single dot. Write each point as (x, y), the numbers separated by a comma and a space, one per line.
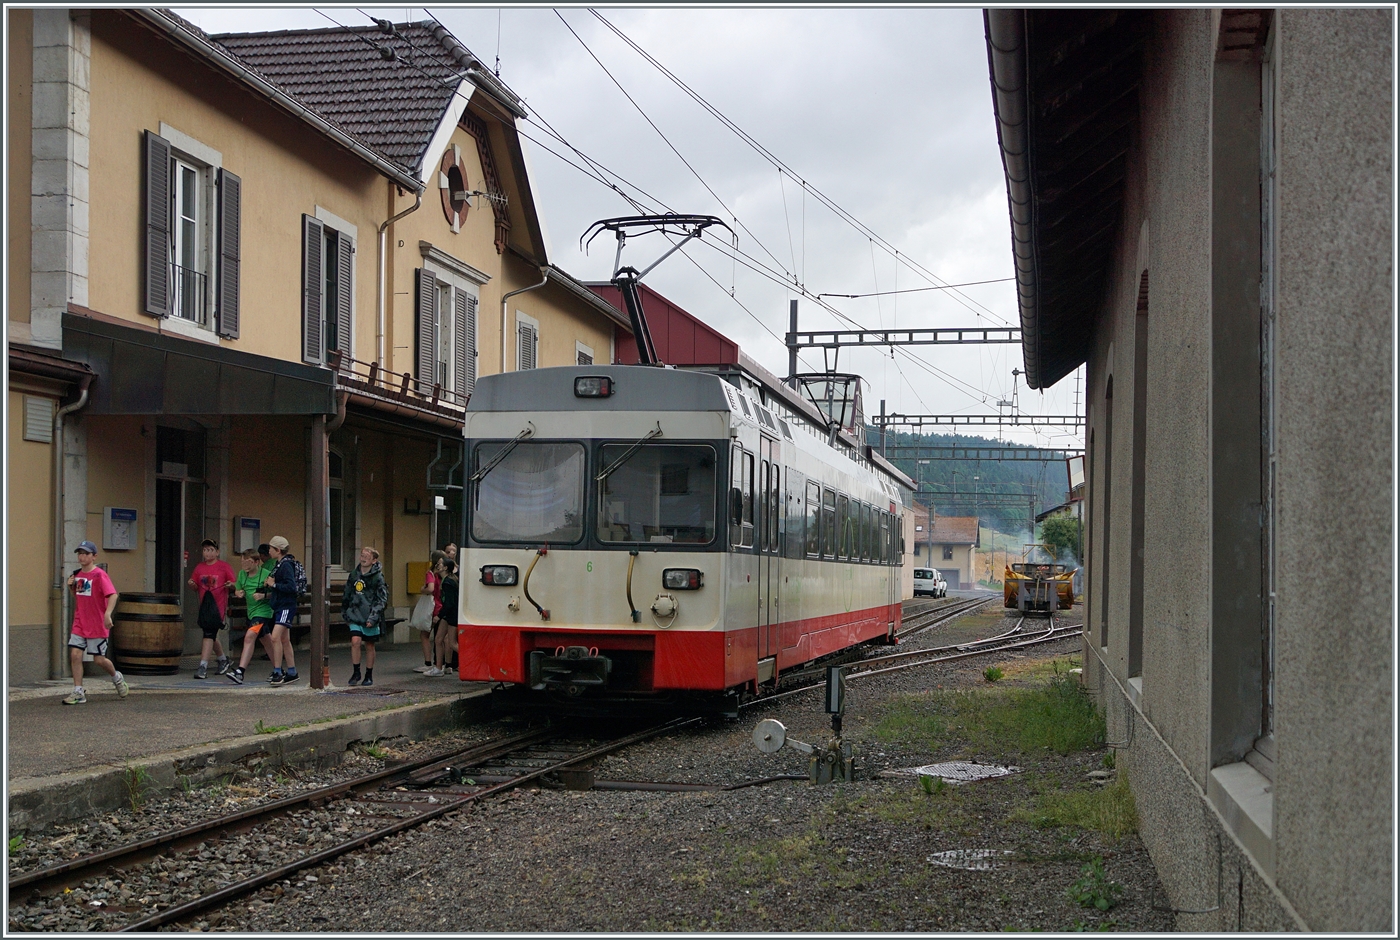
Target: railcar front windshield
(535, 494)
(661, 493)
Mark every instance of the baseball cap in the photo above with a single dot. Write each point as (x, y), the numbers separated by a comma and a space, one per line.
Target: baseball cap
(86, 547)
(279, 543)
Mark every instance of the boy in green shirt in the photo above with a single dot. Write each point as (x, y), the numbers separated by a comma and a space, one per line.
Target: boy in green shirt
(249, 586)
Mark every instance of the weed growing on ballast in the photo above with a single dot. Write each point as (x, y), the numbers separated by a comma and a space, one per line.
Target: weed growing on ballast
(992, 673)
(1093, 888)
(1109, 810)
(16, 843)
(138, 781)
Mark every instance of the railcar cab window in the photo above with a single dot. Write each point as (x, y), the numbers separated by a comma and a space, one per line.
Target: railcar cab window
(739, 509)
(535, 494)
(661, 493)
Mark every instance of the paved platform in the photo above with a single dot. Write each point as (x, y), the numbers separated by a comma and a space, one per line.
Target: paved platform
(70, 755)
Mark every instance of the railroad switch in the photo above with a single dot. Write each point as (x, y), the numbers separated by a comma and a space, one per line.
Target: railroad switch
(825, 764)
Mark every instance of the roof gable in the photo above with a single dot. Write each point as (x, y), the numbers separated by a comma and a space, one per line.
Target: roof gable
(388, 90)
(954, 530)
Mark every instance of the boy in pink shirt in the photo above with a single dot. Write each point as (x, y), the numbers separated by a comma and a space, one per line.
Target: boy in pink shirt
(94, 600)
(212, 579)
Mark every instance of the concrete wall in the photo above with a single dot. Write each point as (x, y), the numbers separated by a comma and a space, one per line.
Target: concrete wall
(1310, 847)
(19, 131)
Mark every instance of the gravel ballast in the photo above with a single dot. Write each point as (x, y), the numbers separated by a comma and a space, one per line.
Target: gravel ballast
(785, 856)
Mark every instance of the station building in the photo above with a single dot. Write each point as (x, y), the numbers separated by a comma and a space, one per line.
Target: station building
(252, 281)
(1201, 208)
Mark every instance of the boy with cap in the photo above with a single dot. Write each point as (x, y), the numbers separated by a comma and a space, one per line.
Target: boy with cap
(212, 578)
(94, 600)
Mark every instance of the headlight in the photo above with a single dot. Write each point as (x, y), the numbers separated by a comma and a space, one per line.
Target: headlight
(593, 386)
(499, 574)
(683, 579)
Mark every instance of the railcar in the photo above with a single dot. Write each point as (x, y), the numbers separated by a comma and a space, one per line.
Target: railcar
(643, 534)
(1034, 587)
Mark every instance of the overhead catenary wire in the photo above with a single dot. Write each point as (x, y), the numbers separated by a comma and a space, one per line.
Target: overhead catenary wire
(736, 254)
(772, 158)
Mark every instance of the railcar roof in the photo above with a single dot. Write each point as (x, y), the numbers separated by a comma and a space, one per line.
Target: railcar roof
(636, 388)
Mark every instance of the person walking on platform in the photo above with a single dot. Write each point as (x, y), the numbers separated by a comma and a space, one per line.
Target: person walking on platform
(94, 600)
(446, 640)
(212, 578)
(287, 581)
(426, 610)
(249, 586)
(362, 605)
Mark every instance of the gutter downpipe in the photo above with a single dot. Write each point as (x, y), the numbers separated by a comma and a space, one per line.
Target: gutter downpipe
(544, 271)
(381, 277)
(57, 595)
(1006, 61)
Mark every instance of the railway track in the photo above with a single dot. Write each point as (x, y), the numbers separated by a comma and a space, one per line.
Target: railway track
(407, 796)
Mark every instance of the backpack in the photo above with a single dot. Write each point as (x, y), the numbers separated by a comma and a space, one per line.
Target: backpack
(298, 575)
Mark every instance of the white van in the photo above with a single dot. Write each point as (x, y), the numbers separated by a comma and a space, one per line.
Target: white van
(928, 581)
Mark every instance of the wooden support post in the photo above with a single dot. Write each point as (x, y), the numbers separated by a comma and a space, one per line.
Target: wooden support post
(318, 570)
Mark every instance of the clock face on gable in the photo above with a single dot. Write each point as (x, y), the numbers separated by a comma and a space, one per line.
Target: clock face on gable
(452, 183)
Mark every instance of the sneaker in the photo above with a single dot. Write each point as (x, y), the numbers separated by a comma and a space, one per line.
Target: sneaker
(354, 678)
(224, 666)
(202, 672)
(433, 671)
(79, 697)
(290, 676)
(368, 682)
(122, 688)
(425, 668)
(276, 677)
(235, 675)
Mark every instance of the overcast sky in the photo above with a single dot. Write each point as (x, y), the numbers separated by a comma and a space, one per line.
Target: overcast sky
(887, 113)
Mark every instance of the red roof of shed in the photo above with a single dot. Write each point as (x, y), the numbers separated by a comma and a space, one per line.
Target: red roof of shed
(680, 338)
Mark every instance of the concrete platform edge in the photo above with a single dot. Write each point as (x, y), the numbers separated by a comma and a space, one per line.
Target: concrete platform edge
(35, 802)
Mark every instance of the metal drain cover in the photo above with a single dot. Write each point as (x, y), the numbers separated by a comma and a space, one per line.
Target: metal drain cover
(959, 771)
(971, 859)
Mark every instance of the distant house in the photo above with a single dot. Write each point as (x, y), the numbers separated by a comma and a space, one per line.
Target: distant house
(951, 541)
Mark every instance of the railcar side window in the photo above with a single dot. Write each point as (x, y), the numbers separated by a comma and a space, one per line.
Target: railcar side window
(534, 495)
(662, 493)
(828, 523)
(864, 532)
(843, 517)
(775, 495)
(814, 505)
(884, 538)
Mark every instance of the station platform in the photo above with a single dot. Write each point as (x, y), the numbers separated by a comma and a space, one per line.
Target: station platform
(63, 760)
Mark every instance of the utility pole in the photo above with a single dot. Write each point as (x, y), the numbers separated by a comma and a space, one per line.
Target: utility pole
(792, 348)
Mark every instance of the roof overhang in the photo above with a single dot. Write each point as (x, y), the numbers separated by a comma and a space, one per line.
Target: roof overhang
(1064, 91)
(166, 23)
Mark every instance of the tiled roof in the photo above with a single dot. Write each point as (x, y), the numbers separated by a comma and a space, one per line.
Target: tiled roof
(391, 104)
(954, 530)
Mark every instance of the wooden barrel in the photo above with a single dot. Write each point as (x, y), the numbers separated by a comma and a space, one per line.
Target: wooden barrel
(148, 634)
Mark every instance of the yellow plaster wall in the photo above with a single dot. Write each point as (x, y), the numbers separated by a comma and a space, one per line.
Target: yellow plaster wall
(29, 485)
(20, 70)
(287, 169)
(412, 534)
(267, 476)
(116, 460)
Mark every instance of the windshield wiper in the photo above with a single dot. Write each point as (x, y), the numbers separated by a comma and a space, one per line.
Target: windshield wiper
(627, 455)
(505, 451)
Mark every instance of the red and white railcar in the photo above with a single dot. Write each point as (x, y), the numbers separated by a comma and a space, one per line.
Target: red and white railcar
(655, 533)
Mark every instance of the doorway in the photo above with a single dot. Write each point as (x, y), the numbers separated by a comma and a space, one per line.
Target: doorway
(179, 518)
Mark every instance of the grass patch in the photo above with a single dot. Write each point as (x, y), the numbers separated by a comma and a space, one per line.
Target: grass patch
(138, 782)
(992, 673)
(1109, 809)
(261, 728)
(16, 843)
(1056, 715)
(1030, 669)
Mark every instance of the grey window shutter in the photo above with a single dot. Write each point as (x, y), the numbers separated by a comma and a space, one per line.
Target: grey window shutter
(470, 342)
(346, 257)
(528, 342)
(461, 343)
(584, 359)
(230, 217)
(313, 275)
(157, 225)
(425, 285)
